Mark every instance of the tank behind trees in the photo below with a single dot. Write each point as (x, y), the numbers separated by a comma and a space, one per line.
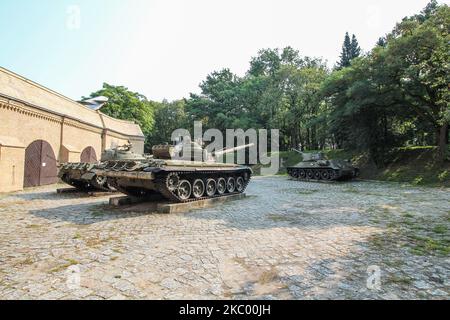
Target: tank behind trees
(177, 180)
(81, 176)
(315, 166)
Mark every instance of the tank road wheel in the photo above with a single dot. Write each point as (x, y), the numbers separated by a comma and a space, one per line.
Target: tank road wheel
(100, 182)
(317, 175)
(325, 175)
(198, 188)
(309, 174)
(210, 187)
(302, 174)
(172, 181)
(331, 174)
(221, 186)
(294, 173)
(184, 190)
(240, 184)
(231, 184)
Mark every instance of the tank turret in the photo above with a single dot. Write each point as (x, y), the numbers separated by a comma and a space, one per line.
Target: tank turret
(181, 173)
(315, 166)
(80, 175)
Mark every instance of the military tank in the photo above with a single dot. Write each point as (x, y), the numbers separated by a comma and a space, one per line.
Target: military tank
(81, 176)
(177, 180)
(316, 167)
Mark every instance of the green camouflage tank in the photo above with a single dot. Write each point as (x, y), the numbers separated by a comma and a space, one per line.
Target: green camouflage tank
(177, 180)
(315, 167)
(81, 176)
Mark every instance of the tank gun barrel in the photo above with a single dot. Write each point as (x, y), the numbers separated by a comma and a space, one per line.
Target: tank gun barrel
(296, 150)
(230, 150)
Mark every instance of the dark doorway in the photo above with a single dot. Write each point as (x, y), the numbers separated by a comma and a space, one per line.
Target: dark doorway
(40, 165)
(88, 155)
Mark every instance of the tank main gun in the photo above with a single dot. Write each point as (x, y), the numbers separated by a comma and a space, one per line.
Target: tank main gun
(192, 149)
(230, 150)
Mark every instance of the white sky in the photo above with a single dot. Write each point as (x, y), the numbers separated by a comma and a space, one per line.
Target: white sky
(165, 48)
(182, 41)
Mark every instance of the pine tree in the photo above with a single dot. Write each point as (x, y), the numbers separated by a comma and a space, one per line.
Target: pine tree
(346, 52)
(350, 50)
(356, 49)
(382, 42)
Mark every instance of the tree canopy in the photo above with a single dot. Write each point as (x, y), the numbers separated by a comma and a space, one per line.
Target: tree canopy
(127, 105)
(396, 94)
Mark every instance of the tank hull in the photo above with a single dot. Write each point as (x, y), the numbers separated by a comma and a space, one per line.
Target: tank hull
(80, 176)
(180, 183)
(322, 174)
(323, 170)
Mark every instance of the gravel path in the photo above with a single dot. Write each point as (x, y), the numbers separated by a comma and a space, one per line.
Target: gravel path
(286, 240)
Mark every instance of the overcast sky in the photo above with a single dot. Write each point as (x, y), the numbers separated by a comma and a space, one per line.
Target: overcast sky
(164, 49)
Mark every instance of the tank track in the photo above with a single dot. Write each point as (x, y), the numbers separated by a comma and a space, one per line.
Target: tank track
(94, 184)
(313, 174)
(172, 195)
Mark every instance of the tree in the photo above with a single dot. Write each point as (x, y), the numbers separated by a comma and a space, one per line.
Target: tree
(350, 51)
(168, 116)
(355, 48)
(418, 53)
(401, 86)
(126, 105)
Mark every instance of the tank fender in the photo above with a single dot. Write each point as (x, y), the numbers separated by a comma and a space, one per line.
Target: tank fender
(152, 169)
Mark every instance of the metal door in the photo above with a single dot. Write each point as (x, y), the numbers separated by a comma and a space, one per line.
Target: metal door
(88, 155)
(40, 165)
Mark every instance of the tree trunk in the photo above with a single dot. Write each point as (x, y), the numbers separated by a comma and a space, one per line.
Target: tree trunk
(443, 140)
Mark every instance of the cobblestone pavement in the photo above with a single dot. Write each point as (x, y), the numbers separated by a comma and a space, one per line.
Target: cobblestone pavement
(286, 240)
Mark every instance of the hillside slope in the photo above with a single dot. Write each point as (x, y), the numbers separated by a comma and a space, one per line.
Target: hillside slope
(417, 165)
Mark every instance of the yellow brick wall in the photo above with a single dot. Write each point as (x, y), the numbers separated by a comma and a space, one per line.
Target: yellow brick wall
(28, 125)
(80, 139)
(11, 168)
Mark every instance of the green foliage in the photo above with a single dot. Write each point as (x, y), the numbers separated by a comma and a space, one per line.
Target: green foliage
(280, 91)
(398, 93)
(350, 51)
(168, 116)
(127, 105)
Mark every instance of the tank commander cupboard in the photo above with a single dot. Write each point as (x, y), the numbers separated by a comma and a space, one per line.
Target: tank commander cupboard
(40, 128)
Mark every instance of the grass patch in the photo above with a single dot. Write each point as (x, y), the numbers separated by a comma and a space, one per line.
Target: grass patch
(26, 262)
(99, 210)
(268, 276)
(306, 191)
(76, 236)
(351, 190)
(70, 262)
(401, 280)
(416, 165)
(33, 226)
(281, 218)
(242, 263)
(440, 229)
(98, 241)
